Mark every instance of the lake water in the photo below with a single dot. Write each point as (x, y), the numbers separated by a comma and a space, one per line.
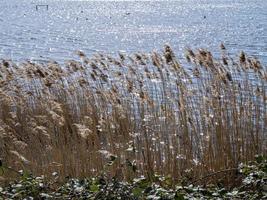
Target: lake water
(92, 26)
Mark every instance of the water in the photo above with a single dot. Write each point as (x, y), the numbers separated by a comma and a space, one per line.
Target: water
(130, 26)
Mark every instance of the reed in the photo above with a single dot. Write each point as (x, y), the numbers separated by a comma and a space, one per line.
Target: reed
(133, 115)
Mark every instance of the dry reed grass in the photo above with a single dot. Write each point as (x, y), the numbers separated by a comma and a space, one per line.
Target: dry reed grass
(143, 114)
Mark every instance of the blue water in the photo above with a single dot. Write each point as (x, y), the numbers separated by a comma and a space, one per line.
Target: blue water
(130, 26)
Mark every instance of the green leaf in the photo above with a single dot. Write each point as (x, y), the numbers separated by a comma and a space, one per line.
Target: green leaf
(138, 191)
(94, 188)
(144, 183)
(259, 158)
(179, 196)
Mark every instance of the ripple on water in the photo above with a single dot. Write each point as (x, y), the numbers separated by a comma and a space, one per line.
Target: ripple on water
(130, 26)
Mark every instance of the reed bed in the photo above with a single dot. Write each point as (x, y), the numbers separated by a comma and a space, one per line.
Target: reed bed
(128, 116)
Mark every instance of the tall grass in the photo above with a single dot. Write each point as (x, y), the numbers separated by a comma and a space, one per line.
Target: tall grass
(126, 116)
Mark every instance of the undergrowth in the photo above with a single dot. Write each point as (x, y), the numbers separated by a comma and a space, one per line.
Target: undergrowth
(252, 185)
